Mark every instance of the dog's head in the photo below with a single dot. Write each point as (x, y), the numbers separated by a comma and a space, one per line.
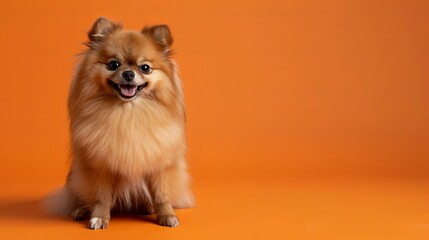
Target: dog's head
(129, 65)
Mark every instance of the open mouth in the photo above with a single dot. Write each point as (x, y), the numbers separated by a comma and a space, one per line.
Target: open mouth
(127, 90)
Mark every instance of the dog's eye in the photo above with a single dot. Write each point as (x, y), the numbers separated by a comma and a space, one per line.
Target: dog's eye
(145, 69)
(113, 65)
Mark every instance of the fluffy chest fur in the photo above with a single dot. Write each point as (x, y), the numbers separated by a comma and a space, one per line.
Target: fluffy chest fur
(127, 138)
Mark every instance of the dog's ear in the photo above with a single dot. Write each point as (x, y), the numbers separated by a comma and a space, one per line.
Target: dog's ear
(161, 34)
(100, 29)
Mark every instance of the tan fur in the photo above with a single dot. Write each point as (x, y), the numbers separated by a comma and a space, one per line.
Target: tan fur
(126, 155)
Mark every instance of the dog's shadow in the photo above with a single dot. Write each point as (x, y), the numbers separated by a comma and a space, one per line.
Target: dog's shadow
(23, 210)
(31, 211)
(20, 209)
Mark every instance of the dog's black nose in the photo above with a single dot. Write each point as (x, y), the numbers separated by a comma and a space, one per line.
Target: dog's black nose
(128, 75)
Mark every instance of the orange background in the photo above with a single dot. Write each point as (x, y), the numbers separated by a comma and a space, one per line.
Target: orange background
(306, 119)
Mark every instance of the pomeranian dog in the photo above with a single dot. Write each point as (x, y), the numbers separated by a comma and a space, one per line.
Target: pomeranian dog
(127, 124)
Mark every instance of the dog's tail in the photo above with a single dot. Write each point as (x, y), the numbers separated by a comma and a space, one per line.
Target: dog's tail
(59, 202)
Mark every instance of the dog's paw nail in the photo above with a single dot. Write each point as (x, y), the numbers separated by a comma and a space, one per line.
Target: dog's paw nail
(168, 221)
(98, 223)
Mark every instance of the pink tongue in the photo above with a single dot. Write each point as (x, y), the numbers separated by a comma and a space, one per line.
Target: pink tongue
(128, 90)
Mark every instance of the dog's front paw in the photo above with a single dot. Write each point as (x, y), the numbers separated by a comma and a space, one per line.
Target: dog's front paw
(98, 223)
(168, 221)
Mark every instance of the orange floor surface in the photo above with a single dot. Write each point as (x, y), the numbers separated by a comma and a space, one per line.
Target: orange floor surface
(305, 119)
(251, 209)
